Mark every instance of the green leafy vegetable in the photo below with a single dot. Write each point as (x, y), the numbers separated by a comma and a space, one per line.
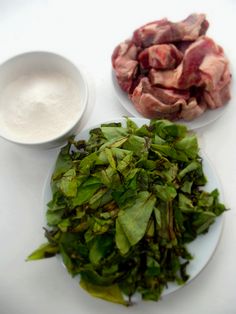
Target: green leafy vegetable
(110, 293)
(132, 222)
(45, 250)
(124, 205)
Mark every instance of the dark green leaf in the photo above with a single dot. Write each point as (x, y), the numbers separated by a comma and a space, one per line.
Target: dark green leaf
(85, 193)
(101, 247)
(203, 220)
(63, 163)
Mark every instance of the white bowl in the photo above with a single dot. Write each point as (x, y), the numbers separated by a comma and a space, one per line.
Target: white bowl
(40, 65)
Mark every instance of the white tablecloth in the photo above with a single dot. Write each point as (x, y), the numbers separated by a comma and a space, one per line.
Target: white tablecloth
(86, 32)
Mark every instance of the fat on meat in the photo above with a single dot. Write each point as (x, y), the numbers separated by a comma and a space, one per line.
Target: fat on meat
(161, 56)
(172, 70)
(125, 64)
(188, 73)
(216, 99)
(164, 31)
(192, 109)
(157, 102)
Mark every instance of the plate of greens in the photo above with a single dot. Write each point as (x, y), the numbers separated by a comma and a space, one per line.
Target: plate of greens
(133, 209)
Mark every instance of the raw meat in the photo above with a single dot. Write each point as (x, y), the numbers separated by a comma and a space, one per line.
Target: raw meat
(125, 63)
(164, 31)
(157, 102)
(172, 70)
(160, 57)
(192, 109)
(198, 58)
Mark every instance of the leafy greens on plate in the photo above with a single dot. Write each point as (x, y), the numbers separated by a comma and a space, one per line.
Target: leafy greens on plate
(125, 203)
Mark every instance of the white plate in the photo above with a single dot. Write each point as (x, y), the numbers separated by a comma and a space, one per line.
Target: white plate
(204, 246)
(207, 117)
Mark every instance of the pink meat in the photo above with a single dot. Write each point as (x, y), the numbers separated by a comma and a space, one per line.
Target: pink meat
(171, 70)
(125, 64)
(164, 31)
(188, 73)
(215, 71)
(216, 99)
(160, 57)
(192, 109)
(154, 102)
(217, 78)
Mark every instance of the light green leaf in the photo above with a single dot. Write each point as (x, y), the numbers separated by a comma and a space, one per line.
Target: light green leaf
(87, 163)
(122, 241)
(68, 183)
(133, 220)
(185, 203)
(131, 125)
(187, 186)
(188, 145)
(114, 143)
(111, 133)
(190, 167)
(157, 213)
(110, 158)
(98, 196)
(64, 224)
(168, 130)
(169, 151)
(136, 144)
(125, 162)
(165, 192)
(54, 216)
(45, 250)
(108, 293)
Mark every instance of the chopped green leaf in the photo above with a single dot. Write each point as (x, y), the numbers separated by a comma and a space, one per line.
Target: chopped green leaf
(125, 204)
(110, 293)
(133, 220)
(45, 250)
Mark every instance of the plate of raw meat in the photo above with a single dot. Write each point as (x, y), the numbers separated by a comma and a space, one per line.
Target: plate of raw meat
(172, 70)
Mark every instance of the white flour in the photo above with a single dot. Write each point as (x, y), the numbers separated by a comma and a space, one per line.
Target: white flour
(39, 106)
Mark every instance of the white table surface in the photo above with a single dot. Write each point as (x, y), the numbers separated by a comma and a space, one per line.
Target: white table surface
(87, 31)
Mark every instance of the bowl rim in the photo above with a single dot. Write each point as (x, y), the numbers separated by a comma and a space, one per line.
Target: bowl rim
(83, 101)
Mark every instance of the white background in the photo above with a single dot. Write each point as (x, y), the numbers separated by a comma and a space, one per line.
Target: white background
(86, 32)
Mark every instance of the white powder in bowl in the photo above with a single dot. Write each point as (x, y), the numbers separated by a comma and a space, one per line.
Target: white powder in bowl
(39, 106)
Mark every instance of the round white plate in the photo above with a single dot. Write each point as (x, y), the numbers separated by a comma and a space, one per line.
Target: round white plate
(207, 117)
(204, 246)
